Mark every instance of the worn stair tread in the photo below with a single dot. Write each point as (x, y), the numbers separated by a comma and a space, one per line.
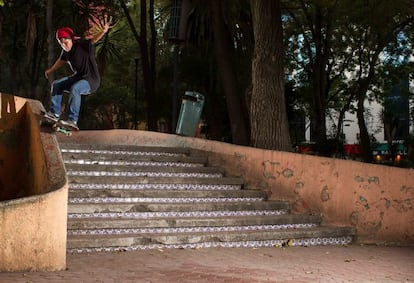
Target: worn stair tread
(183, 230)
(179, 207)
(159, 200)
(166, 193)
(155, 180)
(158, 169)
(96, 158)
(118, 147)
(320, 231)
(200, 237)
(155, 186)
(105, 223)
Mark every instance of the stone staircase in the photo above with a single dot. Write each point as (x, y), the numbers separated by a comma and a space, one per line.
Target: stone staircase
(132, 198)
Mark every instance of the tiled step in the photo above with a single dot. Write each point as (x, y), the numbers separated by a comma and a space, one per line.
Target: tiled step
(176, 214)
(124, 193)
(143, 171)
(97, 149)
(108, 180)
(191, 222)
(191, 200)
(158, 185)
(290, 237)
(129, 155)
(134, 161)
(151, 207)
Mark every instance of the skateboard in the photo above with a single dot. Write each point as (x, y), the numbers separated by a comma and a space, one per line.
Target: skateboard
(56, 125)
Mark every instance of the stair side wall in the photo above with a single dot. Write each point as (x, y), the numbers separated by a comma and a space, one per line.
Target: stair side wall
(33, 208)
(376, 200)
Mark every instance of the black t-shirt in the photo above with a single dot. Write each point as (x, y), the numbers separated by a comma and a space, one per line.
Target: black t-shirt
(81, 59)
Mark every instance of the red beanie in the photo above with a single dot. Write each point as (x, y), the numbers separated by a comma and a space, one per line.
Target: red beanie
(65, 32)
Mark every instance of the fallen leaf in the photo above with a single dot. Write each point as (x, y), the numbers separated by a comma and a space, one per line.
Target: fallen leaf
(308, 272)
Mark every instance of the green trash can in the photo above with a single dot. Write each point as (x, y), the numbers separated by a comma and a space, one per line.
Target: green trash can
(191, 108)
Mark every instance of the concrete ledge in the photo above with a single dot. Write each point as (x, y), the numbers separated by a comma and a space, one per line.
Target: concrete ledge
(33, 211)
(377, 200)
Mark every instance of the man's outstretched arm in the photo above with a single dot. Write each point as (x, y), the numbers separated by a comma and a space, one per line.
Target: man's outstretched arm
(99, 29)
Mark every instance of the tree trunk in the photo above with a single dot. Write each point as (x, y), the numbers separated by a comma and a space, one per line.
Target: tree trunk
(151, 97)
(224, 54)
(147, 63)
(50, 47)
(344, 109)
(32, 49)
(361, 91)
(319, 75)
(147, 70)
(269, 124)
(363, 131)
(1, 45)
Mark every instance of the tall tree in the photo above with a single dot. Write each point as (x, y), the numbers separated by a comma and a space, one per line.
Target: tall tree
(224, 51)
(382, 22)
(218, 31)
(268, 117)
(311, 47)
(1, 37)
(147, 57)
(50, 40)
(338, 47)
(51, 57)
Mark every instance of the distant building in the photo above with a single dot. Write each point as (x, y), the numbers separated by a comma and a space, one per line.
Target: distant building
(395, 102)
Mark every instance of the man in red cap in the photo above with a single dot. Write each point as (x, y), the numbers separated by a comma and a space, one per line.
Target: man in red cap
(80, 55)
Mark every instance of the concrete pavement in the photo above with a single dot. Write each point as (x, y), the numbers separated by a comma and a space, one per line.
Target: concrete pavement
(352, 263)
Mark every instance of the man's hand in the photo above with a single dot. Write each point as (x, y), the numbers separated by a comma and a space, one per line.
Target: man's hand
(99, 28)
(47, 73)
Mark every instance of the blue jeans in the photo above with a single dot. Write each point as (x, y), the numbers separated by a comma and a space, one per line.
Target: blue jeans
(76, 88)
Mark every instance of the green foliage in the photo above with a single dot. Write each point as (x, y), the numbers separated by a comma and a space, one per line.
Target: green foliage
(353, 38)
(344, 45)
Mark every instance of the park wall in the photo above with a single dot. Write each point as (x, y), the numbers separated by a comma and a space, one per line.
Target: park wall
(377, 200)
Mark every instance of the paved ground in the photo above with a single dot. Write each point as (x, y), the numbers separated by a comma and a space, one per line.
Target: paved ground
(295, 264)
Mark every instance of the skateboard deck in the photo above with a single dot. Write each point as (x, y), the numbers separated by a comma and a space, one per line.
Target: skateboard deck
(57, 126)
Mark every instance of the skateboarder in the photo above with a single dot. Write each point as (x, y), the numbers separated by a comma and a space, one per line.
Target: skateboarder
(79, 54)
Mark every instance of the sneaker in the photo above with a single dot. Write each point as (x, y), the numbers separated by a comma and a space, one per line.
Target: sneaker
(52, 115)
(69, 123)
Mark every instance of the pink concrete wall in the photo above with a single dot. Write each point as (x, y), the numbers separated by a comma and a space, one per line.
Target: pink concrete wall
(377, 200)
(33, 206)
(33, 233)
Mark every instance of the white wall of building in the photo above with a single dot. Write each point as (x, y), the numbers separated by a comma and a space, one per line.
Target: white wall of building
(372, 119)
(373, 122)
(351, 129)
